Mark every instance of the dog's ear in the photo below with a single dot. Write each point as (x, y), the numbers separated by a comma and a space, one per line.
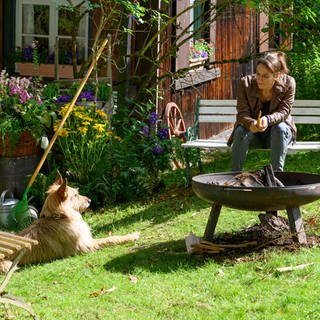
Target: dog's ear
(62, 190)
(58, 180)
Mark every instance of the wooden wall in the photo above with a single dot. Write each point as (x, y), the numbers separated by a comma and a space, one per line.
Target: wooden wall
(236, 38)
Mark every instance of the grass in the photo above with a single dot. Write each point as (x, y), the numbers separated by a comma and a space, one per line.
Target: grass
(156, 279)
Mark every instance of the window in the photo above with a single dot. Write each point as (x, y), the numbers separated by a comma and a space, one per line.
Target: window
(198, 17)
(196, 22)
(48, 23)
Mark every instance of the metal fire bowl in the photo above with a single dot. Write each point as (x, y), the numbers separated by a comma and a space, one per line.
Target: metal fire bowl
(300, 188)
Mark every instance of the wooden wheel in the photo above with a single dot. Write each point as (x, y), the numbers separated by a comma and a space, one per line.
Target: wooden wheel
(177, 127)
(175, 122)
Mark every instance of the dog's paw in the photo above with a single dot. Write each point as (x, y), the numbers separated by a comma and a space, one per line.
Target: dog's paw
(135, 236)
(5, 266)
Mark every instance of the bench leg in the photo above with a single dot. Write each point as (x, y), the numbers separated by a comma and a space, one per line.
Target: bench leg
(188, 174)
(212, 221)
(12, 269)
(199, 161)
(188, 166)
(7, 299)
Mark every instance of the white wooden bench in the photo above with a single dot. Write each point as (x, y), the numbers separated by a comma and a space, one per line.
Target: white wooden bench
(14, 245)
(224, 111)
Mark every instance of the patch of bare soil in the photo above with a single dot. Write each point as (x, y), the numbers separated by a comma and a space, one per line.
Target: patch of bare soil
(272, 233)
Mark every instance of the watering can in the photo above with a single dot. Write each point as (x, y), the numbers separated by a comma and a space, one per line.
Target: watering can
(7, 202)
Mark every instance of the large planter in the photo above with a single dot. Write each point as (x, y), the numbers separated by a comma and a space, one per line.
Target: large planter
(17, 161)
(14, 172)
(25, 146)
(65, 71)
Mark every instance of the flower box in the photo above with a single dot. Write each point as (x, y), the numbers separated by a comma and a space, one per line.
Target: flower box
(200, 62)
(65, 71)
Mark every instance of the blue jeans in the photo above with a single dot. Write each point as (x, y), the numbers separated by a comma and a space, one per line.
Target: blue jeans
(277, 138)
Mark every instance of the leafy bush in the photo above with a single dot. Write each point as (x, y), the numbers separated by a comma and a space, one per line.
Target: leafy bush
(110, 165)
(137, 160)
(305, 68)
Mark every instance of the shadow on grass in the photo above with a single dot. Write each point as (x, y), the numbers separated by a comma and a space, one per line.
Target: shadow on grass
(159, 211)
(172, 256)
(163, 257)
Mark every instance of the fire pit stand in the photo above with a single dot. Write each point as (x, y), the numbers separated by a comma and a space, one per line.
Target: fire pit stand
(298, 189)
(294, 217)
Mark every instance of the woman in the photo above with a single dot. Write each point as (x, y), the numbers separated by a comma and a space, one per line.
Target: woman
(264, 105)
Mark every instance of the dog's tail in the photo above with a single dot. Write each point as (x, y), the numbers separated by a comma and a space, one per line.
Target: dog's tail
(113, 240)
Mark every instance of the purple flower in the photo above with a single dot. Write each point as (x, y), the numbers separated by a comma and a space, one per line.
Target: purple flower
(153, 118)
(145, 130)
(157, 149)
(163, 133)
(23, 95)
(68, 57)
(86, 96)
(27, 54)
(64, 98)
(50, 58)
(204, 54)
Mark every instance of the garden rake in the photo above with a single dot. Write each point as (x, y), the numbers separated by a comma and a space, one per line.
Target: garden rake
(20, 213)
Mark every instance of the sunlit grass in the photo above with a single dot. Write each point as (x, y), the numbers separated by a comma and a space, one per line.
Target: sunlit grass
(156, 279)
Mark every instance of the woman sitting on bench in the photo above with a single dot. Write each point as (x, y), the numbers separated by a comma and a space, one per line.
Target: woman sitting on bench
(264, 104)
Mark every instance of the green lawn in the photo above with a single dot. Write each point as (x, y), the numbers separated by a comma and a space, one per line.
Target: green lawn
(156, 279)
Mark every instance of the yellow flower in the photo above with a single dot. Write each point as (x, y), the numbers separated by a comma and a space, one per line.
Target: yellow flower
(86, 123)
(83, 129)
(63, 133)
(79, 114)
(101, 113)
(87, 118)
(56, 125)
(99, 127)
(63, 110)
(82, 116)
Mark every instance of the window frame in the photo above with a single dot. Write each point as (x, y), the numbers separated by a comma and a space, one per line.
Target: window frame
(53, 24)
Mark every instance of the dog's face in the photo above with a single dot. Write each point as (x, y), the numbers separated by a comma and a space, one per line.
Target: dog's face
(63, 200)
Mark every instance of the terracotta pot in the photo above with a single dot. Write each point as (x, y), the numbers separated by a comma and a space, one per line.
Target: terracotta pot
(65, 71)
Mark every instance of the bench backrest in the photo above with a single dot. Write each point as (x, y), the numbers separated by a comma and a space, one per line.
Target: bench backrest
(220, 111)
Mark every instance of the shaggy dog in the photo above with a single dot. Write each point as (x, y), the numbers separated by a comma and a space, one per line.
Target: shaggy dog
(60, 229)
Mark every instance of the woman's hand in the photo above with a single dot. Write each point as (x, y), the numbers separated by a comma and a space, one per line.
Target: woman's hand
(262, 125)
(259, 126)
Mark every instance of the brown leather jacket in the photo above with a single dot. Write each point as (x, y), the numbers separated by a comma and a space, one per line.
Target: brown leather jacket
(249, 105)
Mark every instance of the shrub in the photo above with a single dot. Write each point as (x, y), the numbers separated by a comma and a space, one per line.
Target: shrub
(305, 68)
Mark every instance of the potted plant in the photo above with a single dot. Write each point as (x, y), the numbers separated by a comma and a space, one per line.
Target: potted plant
(199, 52)
(97, 93)
(24, 117)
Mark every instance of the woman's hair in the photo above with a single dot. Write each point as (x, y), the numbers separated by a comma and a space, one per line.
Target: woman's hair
(275, 62)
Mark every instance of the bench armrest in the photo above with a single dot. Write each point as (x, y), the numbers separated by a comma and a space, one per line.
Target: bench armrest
(192, 133)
